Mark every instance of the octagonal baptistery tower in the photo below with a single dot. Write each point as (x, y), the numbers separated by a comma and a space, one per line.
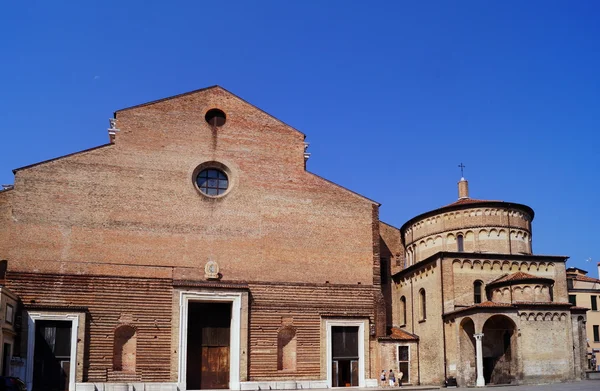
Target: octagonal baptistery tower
(469, 225)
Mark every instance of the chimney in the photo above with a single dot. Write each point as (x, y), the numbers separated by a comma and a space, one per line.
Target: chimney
(599, 270)
(463, 189)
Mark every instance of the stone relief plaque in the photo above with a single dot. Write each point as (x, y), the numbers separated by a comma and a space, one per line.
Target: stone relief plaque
(211, 270)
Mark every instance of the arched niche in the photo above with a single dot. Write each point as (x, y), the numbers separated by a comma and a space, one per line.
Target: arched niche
(124, 349)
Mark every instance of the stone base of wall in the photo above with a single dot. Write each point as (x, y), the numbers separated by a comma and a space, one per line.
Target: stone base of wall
(282, 385)
(126, 387)
(244, 386)
(292, 385)
(592, 375)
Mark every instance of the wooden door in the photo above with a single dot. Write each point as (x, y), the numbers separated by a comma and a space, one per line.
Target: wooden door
(215, 367)
(208, 346)
(215, 356)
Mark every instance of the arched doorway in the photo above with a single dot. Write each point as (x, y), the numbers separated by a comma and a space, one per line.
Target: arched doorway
(468, 371)
(499, 350)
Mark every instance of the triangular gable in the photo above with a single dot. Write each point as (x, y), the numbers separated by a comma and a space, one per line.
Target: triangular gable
(215, 87)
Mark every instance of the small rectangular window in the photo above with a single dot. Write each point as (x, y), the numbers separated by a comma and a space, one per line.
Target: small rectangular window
(569, 283)
(423, 304)
(10, 313)
(594, 303)
(573, 299)
(460, 243)
(596, 333)
(403, 364)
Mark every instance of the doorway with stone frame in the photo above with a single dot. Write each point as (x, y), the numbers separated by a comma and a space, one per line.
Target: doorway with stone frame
(345, 353)
(52, 344)
(209, 340)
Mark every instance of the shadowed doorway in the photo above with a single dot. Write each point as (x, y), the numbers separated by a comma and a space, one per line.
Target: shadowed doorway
(208, 343)
(499, 350)
(52, 355)
(344, 356)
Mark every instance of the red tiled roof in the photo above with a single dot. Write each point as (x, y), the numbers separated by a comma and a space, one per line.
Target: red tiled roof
(579, 277)
(401, 335)
(518, 276)
(491, 304)
(466, 201)
(546, 303)
(580, 308)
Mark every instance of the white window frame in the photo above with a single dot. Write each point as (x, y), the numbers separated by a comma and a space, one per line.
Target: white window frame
(329, 324)
(235, 332)
(398, 360)
(35, 316)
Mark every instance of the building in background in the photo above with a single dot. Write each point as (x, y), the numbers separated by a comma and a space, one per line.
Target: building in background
(584, 291)
(481, 302)
(195, 251)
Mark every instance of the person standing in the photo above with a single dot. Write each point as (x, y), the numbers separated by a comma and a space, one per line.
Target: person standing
(400, 376)
(382, 378)
(392, 378)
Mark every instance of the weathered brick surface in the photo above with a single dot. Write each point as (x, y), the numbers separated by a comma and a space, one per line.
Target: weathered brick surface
(430, 328)
(134, 202)
(5, 220)
(111, 301)
(302, 306)
(389, 360)
(111, 228)
(485, 228)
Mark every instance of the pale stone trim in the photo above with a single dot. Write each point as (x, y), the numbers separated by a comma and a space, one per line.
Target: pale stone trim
(42, 315)
(479, 351)
(361, 348)
(234, 346)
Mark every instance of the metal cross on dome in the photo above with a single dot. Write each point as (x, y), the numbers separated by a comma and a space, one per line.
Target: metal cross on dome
(462, 167)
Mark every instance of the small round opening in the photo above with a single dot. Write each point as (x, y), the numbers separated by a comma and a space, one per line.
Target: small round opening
(215, 117)
(212, 182)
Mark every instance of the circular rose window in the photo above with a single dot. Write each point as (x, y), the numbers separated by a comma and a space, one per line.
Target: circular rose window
(212, 182)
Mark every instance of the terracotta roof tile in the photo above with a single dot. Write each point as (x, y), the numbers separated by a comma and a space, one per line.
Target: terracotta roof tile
(466, 201)
(401, 335)
(516, 277)
(551, 303)
(492, 304)
(580, 308)
(579, 277)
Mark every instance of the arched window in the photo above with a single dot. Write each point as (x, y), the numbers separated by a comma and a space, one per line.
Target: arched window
(403, 310)
(460, 243)
(124, 349)
(423, 303)
(477, 291)
(286, 349)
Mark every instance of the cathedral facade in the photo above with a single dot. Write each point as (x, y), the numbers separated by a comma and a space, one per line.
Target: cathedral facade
(195, 251)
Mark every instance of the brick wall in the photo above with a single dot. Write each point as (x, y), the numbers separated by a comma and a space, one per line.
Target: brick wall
(111, 301)
(502, 230)
(301, 306)
(430, 329)
(135, 203)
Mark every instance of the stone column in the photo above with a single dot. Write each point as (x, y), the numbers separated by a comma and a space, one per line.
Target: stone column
(479, 354)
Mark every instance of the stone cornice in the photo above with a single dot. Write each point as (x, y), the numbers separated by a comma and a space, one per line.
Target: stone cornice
(476, 256)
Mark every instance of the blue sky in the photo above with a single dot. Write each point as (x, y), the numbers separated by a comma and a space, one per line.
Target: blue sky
(391, 95)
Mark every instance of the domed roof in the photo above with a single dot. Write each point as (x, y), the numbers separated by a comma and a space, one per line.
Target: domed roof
(468, 201)
(465, 202)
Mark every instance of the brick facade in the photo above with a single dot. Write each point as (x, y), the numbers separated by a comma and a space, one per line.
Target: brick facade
(120, 241)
